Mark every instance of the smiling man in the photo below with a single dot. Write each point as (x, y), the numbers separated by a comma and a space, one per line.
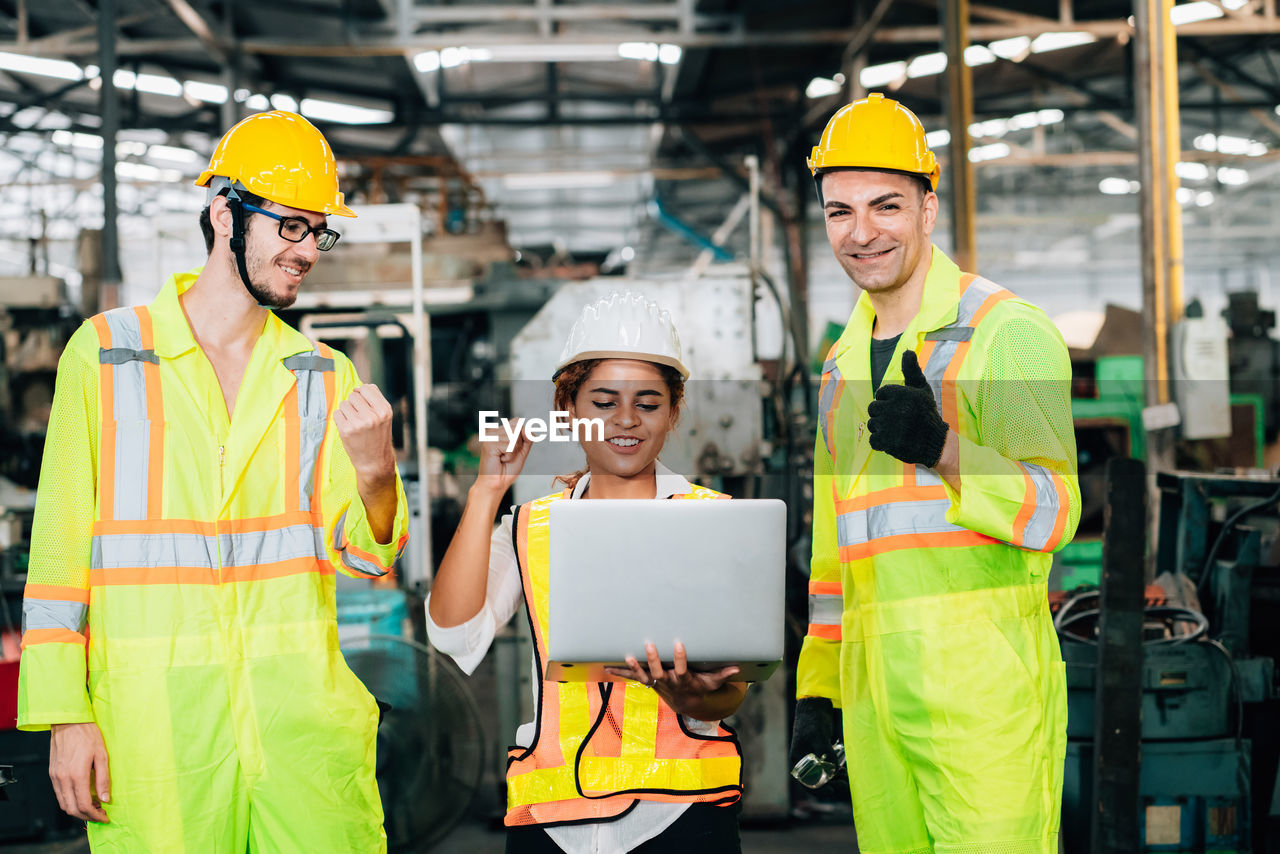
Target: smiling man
(206, 471)
(945, 478)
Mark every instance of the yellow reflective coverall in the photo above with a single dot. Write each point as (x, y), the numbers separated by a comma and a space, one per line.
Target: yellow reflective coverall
(929, 622)
(181, 589)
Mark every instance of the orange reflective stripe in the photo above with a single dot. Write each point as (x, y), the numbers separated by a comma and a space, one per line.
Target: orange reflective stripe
(39, 636)
(890, 496)
(945, 539)
(1064, 507)
(826, 632)
(107, 437)
(826, 588)
(1026, 511)
(195, 526)
(155, 413)
(363, 555)
(144, 576)
(56, 593)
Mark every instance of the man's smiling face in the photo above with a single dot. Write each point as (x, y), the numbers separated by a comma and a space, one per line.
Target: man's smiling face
(878, 224)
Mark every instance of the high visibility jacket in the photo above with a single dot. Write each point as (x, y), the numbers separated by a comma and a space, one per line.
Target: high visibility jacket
(181, 589)
(597, 747)
(928, 607)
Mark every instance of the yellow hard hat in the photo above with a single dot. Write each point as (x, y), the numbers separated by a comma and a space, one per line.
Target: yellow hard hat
(281, 157)
(875, 133)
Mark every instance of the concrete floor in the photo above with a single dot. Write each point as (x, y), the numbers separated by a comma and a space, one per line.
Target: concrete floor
(472, 838)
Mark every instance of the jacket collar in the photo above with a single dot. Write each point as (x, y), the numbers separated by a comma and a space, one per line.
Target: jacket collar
(172, 333)
(669, 483)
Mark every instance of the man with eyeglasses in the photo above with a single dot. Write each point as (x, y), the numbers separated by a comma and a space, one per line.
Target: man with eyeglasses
(207, 470)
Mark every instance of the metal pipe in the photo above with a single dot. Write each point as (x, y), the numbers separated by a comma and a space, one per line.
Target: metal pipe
(955, 27)
(109, 295)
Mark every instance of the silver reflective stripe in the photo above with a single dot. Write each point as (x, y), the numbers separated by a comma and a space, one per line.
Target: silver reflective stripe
(121, 551)
(313, 416)
(263, 547)
(825, 400)
(339, 530)
(1040, 526)
(359, 564)
(950, 337)
(890, 520)
(927, 477)
(120, 355)
(129, 406)
(308, 362)
(825, 609)
(52, 614)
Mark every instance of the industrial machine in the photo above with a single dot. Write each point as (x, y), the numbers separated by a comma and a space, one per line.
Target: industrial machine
(1209, 694)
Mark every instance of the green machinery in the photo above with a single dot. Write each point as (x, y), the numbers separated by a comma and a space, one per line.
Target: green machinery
(1107, 411)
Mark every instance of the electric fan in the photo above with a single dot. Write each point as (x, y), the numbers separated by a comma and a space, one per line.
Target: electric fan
(430, 745)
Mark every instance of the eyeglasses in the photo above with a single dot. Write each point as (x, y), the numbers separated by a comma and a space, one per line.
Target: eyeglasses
(295, 229)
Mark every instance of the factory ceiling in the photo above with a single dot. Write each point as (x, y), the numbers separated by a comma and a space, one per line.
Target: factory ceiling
(586, 122)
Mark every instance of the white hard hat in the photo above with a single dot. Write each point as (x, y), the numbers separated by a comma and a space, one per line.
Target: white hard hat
(623, 326)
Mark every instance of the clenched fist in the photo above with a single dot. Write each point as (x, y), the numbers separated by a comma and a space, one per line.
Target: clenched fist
(364, 426)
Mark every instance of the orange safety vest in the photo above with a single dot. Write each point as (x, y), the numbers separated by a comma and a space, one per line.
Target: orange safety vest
(598, 747)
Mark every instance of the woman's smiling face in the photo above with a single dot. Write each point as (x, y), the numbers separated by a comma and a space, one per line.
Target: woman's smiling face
(632, 399)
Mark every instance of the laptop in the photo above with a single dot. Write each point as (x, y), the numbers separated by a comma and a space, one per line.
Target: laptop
(710, 574)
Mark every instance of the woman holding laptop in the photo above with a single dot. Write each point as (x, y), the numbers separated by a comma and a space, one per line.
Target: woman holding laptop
(642, 765)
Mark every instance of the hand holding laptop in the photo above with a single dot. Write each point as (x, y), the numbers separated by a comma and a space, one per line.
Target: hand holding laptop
(689, 692)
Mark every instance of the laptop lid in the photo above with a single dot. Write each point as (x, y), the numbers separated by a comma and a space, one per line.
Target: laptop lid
(710, 574)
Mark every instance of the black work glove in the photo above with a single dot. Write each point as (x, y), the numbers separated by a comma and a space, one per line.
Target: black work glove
(813, 730)
(904, 419)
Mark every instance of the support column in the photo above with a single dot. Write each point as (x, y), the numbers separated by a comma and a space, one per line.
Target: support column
(955, 36)
(109, 296)
(1159, 147)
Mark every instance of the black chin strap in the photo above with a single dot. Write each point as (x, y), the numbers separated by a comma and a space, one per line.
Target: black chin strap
(237, 238)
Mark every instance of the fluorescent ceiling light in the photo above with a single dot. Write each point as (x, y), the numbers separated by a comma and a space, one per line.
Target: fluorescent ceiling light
(977, 54)
(1188, 13)
(875, 76)
(130, 148)
(1232, 177)
(257, 102)
(926, 64)
(173, 153)
(41, 66)
(210, 93)
(821, 86)
(937, 138)
(1118, 186)
(558, 180)
(427, 61)
(1015, 48)
(669, 54)
(644, 51)
(1057, 41)
(994, 151)
(1190, 171)
(1230, 145)
(1204, 198)
(1185, 195)
(282, 101)
(77, 140)
(349, 114)
(158, 84)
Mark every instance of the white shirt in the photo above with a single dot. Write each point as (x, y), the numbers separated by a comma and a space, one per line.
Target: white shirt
(468, 642)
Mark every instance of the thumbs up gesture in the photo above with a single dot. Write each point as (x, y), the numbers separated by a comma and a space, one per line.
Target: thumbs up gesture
(904, 420)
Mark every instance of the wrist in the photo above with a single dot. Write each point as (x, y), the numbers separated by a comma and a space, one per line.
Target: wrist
(485, 493)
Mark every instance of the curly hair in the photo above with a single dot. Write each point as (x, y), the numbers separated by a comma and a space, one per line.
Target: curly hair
(570, 380)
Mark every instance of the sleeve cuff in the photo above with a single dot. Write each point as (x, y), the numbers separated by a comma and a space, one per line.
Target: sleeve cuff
(466, 643)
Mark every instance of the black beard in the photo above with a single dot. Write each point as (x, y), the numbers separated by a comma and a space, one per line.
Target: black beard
(259, 291)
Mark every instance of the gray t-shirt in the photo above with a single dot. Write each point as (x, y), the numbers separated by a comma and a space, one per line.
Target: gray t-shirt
(881, 355)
